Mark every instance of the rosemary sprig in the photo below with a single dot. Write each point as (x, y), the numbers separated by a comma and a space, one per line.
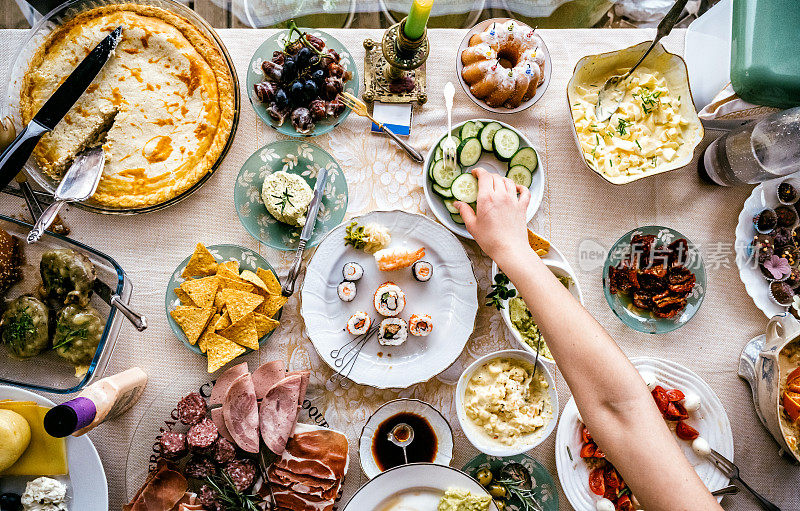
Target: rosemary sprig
(285, 198)
(525, 495)
(230, 497)
(500, 292)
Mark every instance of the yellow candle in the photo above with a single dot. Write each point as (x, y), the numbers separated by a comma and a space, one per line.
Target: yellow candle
(417, 18)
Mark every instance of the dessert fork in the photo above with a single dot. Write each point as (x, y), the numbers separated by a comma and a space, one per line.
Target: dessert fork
(730, 470)
(360, 108)
(449, 145)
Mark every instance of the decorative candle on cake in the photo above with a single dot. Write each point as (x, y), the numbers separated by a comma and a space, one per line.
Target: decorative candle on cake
(417, 19)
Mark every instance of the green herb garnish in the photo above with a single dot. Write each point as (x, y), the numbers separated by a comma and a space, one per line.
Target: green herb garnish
(285, 198)
(69, 336)
(622, 126)
(355, 236)
(637, 145)
(525, 495)
(500, 292)
(230, 497)
(17, 331)
(649, 99)
(569, 453)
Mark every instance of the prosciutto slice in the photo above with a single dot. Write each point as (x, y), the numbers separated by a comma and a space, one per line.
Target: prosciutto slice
(240, 411)
(224, 381)
(266, 376)
(219, 421)
(162, 490)
(278, 412)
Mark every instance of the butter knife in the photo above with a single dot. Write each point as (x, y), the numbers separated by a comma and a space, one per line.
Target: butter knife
(308, 230)
(55, 108)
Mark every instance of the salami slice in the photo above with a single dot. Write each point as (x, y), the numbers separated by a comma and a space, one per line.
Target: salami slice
(278, 412)
(266, 376)
(224, 451)
(172, 444)
(224, 381)
(202, 434)
(219, 422)
(242, 473)
(192, 409)
(240, 411)
(200, 467)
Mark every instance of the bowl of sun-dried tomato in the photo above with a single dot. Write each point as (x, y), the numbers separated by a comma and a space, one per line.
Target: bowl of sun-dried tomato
(654, 279)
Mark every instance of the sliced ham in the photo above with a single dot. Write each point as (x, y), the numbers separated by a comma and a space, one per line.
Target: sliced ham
(266, 376)
(278, 412)
(321, 488)
(219, 422)
(289, 499)
(224, 381)
(240, 411)
(162, 490)
(303, 385)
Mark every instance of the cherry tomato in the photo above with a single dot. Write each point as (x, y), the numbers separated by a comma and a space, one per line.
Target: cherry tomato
(675, 395)
(585, 435)
(624, 504)
(686, 432)
(791, 403)
(596, 482)
(660, 397)
(588, 450)
(599, 454)
(611, 477)
(676, 412)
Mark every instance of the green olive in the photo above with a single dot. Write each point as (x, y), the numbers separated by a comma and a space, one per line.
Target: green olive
(484, 476)
(501, 504)
(498, 491)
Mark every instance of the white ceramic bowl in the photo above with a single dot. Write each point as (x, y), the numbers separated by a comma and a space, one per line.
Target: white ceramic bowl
(489, 162)
(558, 270)
(472, 431)
(440, 426)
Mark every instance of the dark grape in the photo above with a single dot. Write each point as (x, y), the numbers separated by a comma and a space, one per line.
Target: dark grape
(303, 57)
(310, 89)
(289, 70)
(319, 77)
(319, 110)
(296, 93)
(315, 63)
(281, 99)
(265, 91)
(302, 120)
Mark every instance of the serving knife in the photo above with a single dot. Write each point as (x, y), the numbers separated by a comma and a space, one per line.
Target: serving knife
(308, 230)
(104, 292)
(55, 108)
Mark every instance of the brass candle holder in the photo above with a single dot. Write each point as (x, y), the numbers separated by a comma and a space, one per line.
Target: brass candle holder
(394, 72)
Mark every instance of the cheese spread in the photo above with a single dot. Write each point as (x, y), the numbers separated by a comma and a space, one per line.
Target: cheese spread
(287, 197)
(646, 131)
(507, 402)
(44, 494)
(458, 499)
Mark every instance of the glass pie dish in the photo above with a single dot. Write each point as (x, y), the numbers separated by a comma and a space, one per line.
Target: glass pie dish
(62, 14)
(49, 372)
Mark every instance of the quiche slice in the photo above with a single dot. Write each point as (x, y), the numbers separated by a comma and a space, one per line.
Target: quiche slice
(162, 107)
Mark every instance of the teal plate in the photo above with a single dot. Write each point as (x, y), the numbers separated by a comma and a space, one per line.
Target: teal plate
(294, 157)
(256, 75)
(544, 488)
(248, 260)
(643, 320)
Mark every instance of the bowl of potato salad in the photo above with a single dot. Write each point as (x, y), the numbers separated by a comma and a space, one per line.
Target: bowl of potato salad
(654, 130)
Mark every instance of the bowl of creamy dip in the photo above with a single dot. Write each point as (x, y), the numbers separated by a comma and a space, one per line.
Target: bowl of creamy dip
(503, 407)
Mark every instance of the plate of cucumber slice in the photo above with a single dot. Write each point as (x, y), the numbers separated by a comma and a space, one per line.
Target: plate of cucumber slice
(493, 145)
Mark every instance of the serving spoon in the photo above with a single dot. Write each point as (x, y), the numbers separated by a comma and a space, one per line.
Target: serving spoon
(610, 97)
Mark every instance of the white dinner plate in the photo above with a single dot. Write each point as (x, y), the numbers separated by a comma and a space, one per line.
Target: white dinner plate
(765, 195)
(450, 298)
(412, 487)
(87, 488)
(710, 420)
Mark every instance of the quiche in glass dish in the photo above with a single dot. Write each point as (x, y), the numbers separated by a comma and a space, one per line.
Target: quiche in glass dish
(163, 107)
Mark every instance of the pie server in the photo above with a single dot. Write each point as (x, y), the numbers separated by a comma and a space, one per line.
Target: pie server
(55, 108)
(78, 184)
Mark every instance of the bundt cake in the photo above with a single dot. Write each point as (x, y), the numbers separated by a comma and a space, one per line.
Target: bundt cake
(503, 65)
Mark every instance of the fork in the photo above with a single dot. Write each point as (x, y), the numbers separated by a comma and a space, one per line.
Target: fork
(730, 470)
(449, 145)
(360, 108)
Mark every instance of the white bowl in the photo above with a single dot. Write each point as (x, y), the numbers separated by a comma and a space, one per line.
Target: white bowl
(489, 162)
(476, 437)
(440, 426)
(559, 271)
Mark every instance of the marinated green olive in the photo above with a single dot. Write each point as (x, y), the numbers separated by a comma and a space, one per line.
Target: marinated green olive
(67, 277)
(24, 327)
(501, 505)
(484, 476)
(78, 332)
(498, 491)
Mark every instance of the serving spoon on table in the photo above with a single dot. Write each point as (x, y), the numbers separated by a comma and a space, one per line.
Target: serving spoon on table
(610, 97)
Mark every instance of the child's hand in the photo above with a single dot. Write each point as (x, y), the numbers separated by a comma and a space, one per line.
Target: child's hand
(500, 225)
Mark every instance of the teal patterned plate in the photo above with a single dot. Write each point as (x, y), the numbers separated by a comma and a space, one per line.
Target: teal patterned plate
(256, 75)
(294, 157)
(248, 260)
(544, 487)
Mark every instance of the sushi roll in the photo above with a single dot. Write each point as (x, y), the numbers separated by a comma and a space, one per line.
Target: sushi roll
(421, 326)
(390, 259)
(392, 332)
(346, 291)
(422, 271)
(359, 323)
(389, 299)
(352, 271)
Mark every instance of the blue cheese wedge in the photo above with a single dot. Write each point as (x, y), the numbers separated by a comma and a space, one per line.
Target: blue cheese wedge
(287, 197)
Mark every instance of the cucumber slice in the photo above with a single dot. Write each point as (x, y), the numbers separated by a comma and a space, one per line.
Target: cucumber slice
(443, 175)
(457, 218)
(438, 154)
(448, 203)
(469, 152)
(469, 130)
(505, 144)
(465, 188)
(442, 192)
(527, 157)
(486, 135)
(521, 175)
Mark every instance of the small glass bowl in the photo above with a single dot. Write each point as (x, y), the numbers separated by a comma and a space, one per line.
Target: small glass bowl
(622, 305)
